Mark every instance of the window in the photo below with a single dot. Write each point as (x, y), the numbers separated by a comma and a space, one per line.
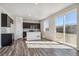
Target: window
(66, 30)
(59, 20)
(46, 25)
(70, 27)
(70, 18)
(59, 24)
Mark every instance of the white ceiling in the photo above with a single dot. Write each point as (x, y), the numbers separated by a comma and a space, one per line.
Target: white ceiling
(33, 11)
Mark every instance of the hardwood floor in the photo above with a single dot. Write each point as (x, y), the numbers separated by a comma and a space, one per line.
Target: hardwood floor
(19, 48)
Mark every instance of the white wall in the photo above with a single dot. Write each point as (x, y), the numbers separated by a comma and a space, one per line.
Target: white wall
(18, 33)
(31, 21)
(51, 33)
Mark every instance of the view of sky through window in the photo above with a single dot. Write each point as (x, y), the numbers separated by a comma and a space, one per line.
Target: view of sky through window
(70, 19)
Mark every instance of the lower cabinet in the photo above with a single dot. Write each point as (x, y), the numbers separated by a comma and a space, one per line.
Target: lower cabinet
(33, 35)
(24, 34)
(6, 39)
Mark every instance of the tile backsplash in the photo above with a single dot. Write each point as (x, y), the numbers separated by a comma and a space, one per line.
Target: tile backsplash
(6, 30)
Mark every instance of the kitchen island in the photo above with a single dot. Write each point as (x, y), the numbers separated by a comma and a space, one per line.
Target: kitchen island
(33, 36)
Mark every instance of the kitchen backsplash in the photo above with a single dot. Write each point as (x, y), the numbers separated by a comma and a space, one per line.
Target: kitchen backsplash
(6, 30)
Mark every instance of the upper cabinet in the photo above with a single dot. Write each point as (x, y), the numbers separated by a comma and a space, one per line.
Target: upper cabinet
(6, 20)
(31, 25)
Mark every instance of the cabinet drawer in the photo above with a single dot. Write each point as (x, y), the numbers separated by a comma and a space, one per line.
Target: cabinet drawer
(6, 39)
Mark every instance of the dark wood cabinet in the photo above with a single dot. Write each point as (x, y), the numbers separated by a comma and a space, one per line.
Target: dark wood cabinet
(24, 34)
(6, 39)
(3, 20)
(28, 25)
(6, 20)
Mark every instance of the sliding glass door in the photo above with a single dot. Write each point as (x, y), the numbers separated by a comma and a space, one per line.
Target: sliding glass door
(66, 28)
(70, 27)
(59, 28)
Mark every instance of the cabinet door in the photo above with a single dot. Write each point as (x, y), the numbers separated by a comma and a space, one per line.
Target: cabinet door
(3, 20)
(6, 39)
(24, 34)
(33, 35)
